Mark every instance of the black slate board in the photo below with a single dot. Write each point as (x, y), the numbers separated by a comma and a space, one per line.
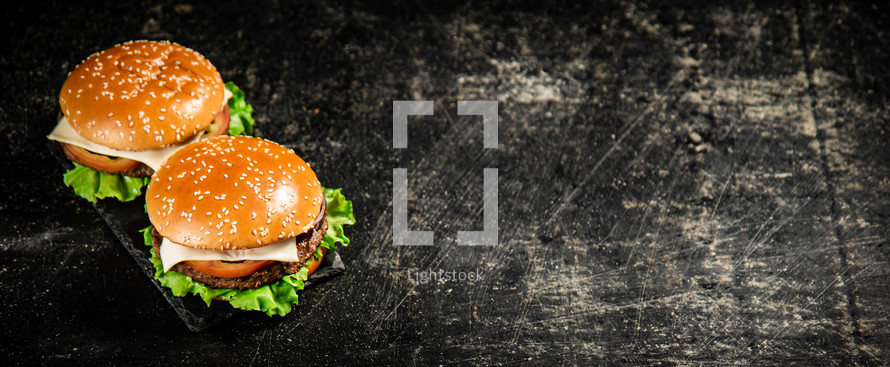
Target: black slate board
(126, 219)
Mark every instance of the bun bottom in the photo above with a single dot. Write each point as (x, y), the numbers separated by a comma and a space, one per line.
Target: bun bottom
(315, 263)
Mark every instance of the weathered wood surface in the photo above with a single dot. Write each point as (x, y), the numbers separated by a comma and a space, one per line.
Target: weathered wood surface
(678, 184)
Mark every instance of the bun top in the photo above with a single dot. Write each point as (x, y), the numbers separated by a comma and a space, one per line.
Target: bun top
(233, 192)
(142, 95)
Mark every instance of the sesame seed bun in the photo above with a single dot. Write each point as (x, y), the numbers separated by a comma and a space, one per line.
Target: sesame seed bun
(142, 95)
(233, 192)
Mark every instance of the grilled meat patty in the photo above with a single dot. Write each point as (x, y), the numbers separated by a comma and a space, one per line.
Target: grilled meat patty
(307, 243)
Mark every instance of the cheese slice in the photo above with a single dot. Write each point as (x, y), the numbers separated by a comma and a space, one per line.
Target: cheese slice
(173, 253)
(154, 158)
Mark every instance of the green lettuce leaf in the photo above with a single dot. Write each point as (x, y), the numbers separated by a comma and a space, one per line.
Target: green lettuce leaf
(339, 212)
(273, 299)
(93, 185)
(241, 120)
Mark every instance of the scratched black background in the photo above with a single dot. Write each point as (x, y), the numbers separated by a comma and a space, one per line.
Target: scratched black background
(680, 184)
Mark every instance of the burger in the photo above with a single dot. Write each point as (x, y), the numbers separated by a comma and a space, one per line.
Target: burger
(241, 219)
(125, 109)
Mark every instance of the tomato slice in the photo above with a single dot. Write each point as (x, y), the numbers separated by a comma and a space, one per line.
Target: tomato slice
(315, 263)
(229, 269)
(237, 269)
(220, 125)
(100, 162)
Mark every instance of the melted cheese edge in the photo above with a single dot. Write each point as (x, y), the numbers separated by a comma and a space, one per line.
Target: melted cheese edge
(154, 158)
(172, 253)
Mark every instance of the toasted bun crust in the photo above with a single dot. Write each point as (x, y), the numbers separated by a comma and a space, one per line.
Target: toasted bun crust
(232, 192)
(142, 95)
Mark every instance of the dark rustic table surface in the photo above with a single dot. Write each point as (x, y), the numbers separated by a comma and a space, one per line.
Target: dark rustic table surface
(679, 184)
